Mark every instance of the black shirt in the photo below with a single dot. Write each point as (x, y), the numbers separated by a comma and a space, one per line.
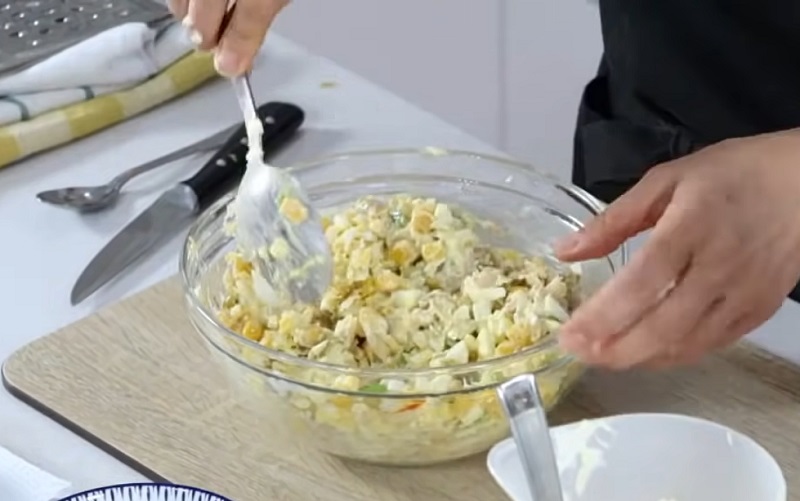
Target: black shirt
(677, 75)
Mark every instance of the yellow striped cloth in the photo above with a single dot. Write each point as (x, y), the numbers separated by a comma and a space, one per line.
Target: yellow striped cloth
(67, 124)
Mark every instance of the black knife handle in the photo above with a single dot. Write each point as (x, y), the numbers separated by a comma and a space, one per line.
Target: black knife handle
(226, 168)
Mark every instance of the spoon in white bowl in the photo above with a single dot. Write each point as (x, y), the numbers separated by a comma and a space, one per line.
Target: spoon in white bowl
(526, 414)
(277, 228)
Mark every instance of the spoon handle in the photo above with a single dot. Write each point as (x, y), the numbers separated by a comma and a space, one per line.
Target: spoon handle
(226, 168)
(205, 144)
(244, 94)
(523, 406)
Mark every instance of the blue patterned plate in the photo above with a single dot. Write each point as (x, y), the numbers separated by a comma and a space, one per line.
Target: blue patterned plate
(146, 492)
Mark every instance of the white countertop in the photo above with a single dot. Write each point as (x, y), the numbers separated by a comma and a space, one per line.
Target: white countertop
(45, 248)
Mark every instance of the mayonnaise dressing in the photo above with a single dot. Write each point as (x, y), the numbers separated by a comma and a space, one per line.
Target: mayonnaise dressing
(255, 132)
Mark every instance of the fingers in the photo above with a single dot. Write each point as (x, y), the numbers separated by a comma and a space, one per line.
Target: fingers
(639, 286)
(236, 41)
(687, 353)
(726, 322)
(733, 318)
(709, 333)
(664, 329)
(244, 34)
(634, 212)
(204, 19)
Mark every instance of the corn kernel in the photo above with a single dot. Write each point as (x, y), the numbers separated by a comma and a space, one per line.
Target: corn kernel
(310, 336)
(227, 320)
(348, 382)
(433, 252)
(252, 330)
(279, 249)
(242, 266)
(326, 222)
(491, 405)
(403, 253)
(433, 282)
(421, 221)
(504, 348)
(343, 402)
(519, 334)
(379, 227)
(386, 281)
(367, 288)
(267, 339)
(293, 210)
(287, 323)
(509, 255)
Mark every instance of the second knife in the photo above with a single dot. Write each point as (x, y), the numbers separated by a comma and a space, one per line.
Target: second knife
(178, 205)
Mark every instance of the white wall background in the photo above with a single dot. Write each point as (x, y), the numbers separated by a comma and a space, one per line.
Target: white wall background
(509, 72)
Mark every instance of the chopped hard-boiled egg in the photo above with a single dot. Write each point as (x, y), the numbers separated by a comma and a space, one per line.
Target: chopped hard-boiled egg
(413, 288)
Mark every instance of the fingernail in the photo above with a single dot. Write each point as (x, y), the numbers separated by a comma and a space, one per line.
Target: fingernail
(567, 243)
(227, 63)
(194, 36)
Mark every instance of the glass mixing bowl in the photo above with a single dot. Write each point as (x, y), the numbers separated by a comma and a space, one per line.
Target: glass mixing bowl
(352, 412)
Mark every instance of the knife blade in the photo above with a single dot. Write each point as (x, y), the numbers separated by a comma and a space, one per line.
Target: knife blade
(180, 204)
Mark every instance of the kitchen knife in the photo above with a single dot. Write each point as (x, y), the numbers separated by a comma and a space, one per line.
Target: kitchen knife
(178, 205)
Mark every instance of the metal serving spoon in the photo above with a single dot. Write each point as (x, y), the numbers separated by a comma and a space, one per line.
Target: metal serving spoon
(276, 226)
(523, 406)
(96, 198)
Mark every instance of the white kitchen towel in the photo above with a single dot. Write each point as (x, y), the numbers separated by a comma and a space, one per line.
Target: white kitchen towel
(22, 481)
(116, 59)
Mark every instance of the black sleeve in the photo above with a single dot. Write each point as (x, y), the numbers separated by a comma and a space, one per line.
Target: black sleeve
(612, 153)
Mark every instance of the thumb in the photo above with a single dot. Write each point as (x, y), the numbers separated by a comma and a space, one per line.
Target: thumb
(635, 211)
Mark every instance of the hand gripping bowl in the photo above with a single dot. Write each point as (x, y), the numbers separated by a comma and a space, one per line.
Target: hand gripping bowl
(392, 427)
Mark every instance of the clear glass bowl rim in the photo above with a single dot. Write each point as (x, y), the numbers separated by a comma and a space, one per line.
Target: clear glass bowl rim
(591, 203)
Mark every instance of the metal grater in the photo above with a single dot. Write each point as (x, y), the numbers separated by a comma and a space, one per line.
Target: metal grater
(32, 30)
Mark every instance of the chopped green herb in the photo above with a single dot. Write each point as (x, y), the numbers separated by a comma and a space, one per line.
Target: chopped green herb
(374, 388)
(398, 218)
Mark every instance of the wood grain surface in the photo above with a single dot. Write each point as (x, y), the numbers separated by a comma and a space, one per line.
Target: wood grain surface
(137, 380)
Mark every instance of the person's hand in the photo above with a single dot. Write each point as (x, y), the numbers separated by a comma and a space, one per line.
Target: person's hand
(723, 254)
(236, 44)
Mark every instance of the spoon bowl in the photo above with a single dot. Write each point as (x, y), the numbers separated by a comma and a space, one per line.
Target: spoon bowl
(82, 198)
(277, 228)
(283, 232)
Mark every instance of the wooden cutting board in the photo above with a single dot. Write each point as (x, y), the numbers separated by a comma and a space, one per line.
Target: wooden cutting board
(136, 380)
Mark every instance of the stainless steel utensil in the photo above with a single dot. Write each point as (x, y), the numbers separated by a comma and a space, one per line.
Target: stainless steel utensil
(96, 198)
(33, 30)
(526, 414)
(178, 205)
(277, 228)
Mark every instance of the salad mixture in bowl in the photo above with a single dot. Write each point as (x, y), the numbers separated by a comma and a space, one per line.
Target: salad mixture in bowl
(441, 291)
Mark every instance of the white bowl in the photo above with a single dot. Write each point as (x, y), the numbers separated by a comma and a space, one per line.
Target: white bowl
(649, 457)
(146, 492)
